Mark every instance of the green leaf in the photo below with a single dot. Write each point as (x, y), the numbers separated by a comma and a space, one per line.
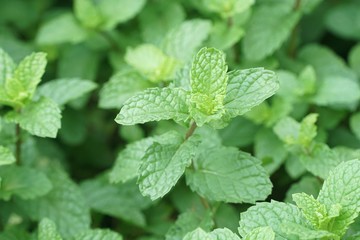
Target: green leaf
(7, 66)
(128, 161)
(151, 62)
(340, 20)
(274, 214)
(26, 77)
(354, 59)
(47, 230)
(87, 13)
(24, 182)
(121, 86)
(63, 28)
(189, 221)
(306, 233)
(208, 85)
(99, 234)
(227, 8)
(268, 29)
(6, 156)
(355, 124)
(312, 210)
(261, 233)
(154, 104)
(62, 91)
(247, 89)
(237, 178)
(64, 205)
(118, 11)
(342, 187)
(180, 43)
(122, 201)
(41, 118)
(217, 234)
(308, 184)
(163, 165)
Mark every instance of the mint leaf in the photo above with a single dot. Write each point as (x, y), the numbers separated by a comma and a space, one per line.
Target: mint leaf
(274, 214)
(41, 118)
(208, 85)
(63, 91)
(180, 43)
(268, 29)
(217, 234)
(154, 104)
(7, 66)
(247, 89)
(122, 201)
(306, 233)
(152, 62)
(228, 8)
(87, 13)
(118, 11)
(354, 59)
(47, 230)
(237, 178)
(342, 188)
(261, 233)
(6, 156)
(26, 77)
(163, 165)
(312, 210)
(355, 124)
(189, 221)
(99, 234)
(128, 161)
(64, 28)
(121, 87)
(64, 205)
(24, 182)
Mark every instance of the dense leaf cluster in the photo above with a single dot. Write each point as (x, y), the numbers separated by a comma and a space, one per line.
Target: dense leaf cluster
(193, 120)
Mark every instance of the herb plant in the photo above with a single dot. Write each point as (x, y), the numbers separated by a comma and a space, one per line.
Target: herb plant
(179, 120)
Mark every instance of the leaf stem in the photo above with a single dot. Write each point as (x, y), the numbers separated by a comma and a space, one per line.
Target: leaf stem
(191, 130)
(294, 33)
(114, 45)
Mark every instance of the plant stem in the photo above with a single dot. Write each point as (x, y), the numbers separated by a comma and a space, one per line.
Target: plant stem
(114, 45)
(294, 33)
(18, 144)
(191, 130)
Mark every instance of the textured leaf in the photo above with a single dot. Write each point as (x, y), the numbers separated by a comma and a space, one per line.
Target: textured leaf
(99, 234)
(87, 13)
(181, 42)
(41, 118)
(208, 85)
(247, 89)
(154, 104)
(63, 91)
(306, 233)
(119, 11)
(261, 233)
(24, 182)
(163, 165)
(26, 77)
(152, 62)
(122, 201)
(47, 230)
(274, 214)
(189, 221)
(121, 87)
(128, 161)
(6, 156)
(7, 66)
(217, 234)
(312, 210)
(237, 178)
(268, 29)
(64, 205)
(62, 29)
(342, 187)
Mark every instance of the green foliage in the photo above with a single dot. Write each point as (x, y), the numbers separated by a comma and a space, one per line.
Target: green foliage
(158, 119)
